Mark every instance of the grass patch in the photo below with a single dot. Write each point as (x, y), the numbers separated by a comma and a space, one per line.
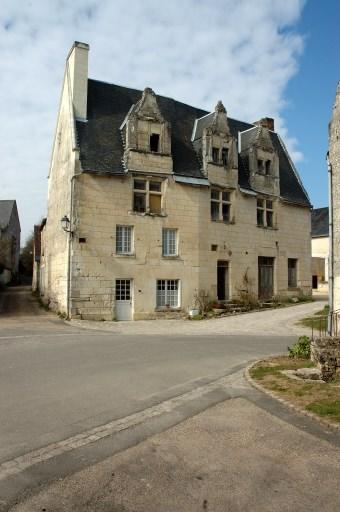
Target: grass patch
(330, 409)
(322, 399)
(319, 319)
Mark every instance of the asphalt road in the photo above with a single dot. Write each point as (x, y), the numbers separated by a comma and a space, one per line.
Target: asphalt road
(57, 381)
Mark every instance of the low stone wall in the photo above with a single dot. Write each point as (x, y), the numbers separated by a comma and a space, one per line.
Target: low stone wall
(325, 353)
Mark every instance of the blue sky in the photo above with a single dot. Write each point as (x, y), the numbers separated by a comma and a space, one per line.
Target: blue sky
(311, 93)
(276, 58)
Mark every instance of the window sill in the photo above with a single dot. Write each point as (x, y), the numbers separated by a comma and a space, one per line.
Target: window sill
(127, 255)
(267, 227)
(161, 309)
(147, 214)
(218, 221)
(175, 257)
(219, 164)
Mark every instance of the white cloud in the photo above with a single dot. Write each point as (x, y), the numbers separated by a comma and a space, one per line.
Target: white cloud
(196, 51)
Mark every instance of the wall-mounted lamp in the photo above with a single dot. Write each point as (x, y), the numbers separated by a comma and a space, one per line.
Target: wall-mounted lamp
(65, 224)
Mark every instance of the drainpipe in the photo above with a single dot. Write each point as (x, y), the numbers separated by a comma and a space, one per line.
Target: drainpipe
(331, 247)
(69, 258)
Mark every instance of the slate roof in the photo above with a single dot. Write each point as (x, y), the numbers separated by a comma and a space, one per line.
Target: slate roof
(101, 145)
(320, 222)
(6, 207)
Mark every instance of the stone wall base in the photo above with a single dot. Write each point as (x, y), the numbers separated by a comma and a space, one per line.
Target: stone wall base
(325, 353)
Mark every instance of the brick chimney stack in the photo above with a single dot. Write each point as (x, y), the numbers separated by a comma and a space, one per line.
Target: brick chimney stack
(266, 122)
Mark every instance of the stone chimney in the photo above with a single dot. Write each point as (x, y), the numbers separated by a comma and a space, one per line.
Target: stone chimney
(77, 71)
(266, 122)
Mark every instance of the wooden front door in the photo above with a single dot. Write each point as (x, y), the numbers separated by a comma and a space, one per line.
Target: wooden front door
(266, 277)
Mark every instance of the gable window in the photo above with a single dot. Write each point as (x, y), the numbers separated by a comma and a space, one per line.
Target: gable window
(154, 142)
(220, 205)
(265, 213)
(225, 153)
(292, 273)
(268, 169)
(124, 239)
(167, 293)
(169, 242)
(215, 155)
(147, 196)
(260, 166)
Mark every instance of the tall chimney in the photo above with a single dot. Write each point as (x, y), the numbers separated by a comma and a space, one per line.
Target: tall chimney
(77, 69)
(266, 122)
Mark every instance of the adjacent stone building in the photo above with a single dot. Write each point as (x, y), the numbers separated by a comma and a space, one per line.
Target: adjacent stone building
(320, 249)
(152, 202)
(334, 207)
(9, 241)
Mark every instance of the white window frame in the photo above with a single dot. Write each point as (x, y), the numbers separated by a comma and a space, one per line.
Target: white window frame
(220, 201)
(165, 297)
(125, 237)
(265, 209)
(147, 192)
(169, 242)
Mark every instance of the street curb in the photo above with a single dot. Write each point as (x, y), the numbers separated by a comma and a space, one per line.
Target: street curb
(294, 407)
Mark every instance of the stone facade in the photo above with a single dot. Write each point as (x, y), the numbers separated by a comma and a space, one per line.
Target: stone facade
(334, 170)
(9, 241)
(320, 255)
(165, 233)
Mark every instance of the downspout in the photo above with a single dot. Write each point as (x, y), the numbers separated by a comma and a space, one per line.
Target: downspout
(70, 239)
(331, 251)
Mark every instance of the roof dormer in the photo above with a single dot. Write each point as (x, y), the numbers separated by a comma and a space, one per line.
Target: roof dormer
(147, 137)
(257, 146)
(217, 146)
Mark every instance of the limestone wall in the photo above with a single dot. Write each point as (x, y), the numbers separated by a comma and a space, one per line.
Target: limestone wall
(334, 159)
(103, 202)
(54, 274)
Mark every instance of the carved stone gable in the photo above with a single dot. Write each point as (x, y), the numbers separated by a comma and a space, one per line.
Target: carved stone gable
(219, 149)
(147, 107)
(257, 146)
(147, 137)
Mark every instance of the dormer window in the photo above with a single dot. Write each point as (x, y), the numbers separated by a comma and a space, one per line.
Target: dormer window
(154, 142)
(268, 168)
(260, 166)
(215, 155)
(225, 154)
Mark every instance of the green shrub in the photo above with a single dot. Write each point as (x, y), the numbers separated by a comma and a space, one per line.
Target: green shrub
(301, 349)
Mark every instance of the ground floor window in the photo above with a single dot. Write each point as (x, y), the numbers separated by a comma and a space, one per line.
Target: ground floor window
(292, 273)
(167, 294)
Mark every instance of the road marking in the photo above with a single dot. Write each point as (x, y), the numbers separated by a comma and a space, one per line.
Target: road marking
(19, 464)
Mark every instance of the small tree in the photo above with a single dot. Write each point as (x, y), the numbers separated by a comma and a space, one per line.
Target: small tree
(246, 293)
(26, 257)
(202, 301)
(5, 251)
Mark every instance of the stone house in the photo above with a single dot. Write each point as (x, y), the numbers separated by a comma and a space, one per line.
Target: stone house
(333, 159)
(320, 249)
(152, 202)
(9, 240)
